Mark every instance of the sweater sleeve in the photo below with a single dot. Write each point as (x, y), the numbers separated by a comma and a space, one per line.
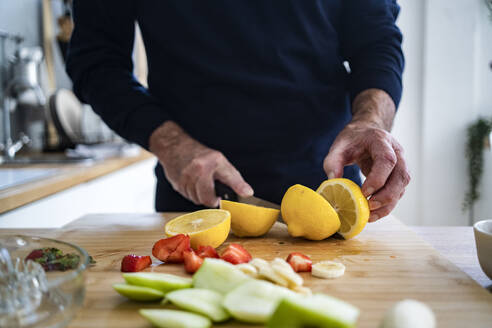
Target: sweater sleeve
(101, 67)
(371, 43)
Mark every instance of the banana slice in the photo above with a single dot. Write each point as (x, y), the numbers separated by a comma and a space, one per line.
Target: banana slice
(306, 291)
(283, 269)
(328, 269)
(266, 271)
(248, 269)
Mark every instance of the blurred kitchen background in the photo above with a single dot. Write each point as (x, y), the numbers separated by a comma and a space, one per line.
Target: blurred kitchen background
(85, 168)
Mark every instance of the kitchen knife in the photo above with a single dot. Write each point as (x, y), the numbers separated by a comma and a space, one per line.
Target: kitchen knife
(225, 192)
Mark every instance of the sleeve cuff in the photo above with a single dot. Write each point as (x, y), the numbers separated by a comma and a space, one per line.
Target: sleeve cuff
(141, 123)
(388, 81)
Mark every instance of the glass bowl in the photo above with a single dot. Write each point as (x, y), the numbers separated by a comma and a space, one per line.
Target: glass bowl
(57, 299)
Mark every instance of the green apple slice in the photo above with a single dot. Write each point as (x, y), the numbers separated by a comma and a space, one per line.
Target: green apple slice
(204, 301)
(164, 282)
(254, 301)
(138, 293)
(175, 319)
(315, 311)
(218, 275)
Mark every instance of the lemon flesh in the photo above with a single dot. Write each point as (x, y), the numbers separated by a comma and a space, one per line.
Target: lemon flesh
(308, 214)
(250, 220)
(348, 201)
(205, 227)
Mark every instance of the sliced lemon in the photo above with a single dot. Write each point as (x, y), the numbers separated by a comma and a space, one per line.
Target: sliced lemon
(205, 227)
(348, 201)
(250, 220)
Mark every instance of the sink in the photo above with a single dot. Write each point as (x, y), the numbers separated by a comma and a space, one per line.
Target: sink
(47, 158)
(14, 177)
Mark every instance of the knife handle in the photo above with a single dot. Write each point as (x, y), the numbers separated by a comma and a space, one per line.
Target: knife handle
(225, 192)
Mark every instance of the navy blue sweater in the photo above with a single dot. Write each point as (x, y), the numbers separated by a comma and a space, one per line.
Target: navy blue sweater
(262, 81)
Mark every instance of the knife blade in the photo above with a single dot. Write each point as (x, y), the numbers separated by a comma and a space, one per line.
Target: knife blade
(225, 192)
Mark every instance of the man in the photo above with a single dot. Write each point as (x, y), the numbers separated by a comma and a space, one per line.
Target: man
(257, 94)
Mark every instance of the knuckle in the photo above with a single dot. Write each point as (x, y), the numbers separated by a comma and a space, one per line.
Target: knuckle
(198, 164)
(406, 178)
(380, 134)
(386, 198)
(216, 156)
(186, 174)
(402, 193)
(398, 148)
(385, 211)
(377, 182)
(389, 157)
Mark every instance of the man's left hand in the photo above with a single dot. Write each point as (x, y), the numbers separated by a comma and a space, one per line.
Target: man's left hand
(366, 142)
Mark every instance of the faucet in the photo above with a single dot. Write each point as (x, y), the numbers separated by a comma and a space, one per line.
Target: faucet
(23, 81)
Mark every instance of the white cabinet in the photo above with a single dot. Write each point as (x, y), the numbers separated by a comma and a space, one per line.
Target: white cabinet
(130, 190)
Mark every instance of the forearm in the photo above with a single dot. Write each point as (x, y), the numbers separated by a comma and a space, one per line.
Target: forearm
(168, 137)
(373, 107)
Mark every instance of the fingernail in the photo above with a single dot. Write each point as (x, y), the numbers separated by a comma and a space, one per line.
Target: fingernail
(373, 217)
(331, 175)
(217, 203)
(369, 191)
(247, 191)
(374, 205)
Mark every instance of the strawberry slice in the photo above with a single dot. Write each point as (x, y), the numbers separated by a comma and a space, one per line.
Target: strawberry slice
(207, 251)
(35, 254)
(134, 263)
(299, 262)
(236, 254)
(171, 249)
(192, 262)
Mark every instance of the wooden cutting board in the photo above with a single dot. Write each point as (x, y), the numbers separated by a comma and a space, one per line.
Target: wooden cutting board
(385, 264)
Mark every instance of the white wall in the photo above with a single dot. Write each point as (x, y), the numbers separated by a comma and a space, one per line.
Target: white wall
(483, 103)
(448, 84)
(407, 126)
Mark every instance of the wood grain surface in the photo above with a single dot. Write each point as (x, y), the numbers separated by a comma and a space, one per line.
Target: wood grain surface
(69, 176)
(457, 244)
(386, 263)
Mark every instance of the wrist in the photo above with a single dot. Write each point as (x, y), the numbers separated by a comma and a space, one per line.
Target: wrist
(373, 108)
(167, 137)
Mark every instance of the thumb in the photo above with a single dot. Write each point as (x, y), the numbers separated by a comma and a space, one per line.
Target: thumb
(335, 161)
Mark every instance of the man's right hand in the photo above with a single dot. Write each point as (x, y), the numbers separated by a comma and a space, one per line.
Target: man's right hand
(192, 168)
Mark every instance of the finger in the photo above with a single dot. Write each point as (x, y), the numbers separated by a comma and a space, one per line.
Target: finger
(384, 160)
(381, 212)
(191, 192)
(226, 173)
(336, 160)
(205, 191)
(394, 187)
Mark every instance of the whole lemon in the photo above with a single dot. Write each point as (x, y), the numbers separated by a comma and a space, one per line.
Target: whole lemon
(307, 214)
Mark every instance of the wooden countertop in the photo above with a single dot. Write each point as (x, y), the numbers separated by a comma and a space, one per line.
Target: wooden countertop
(457, 244)
(386, 263)
(69, 175)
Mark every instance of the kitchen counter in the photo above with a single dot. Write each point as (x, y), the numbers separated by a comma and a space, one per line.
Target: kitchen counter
(67, 176)
(386, 263)
(457, 244)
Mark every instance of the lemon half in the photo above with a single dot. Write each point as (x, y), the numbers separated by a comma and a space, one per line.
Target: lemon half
(205, 227)
(308, 214)
(350, 204)
(250, 220)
